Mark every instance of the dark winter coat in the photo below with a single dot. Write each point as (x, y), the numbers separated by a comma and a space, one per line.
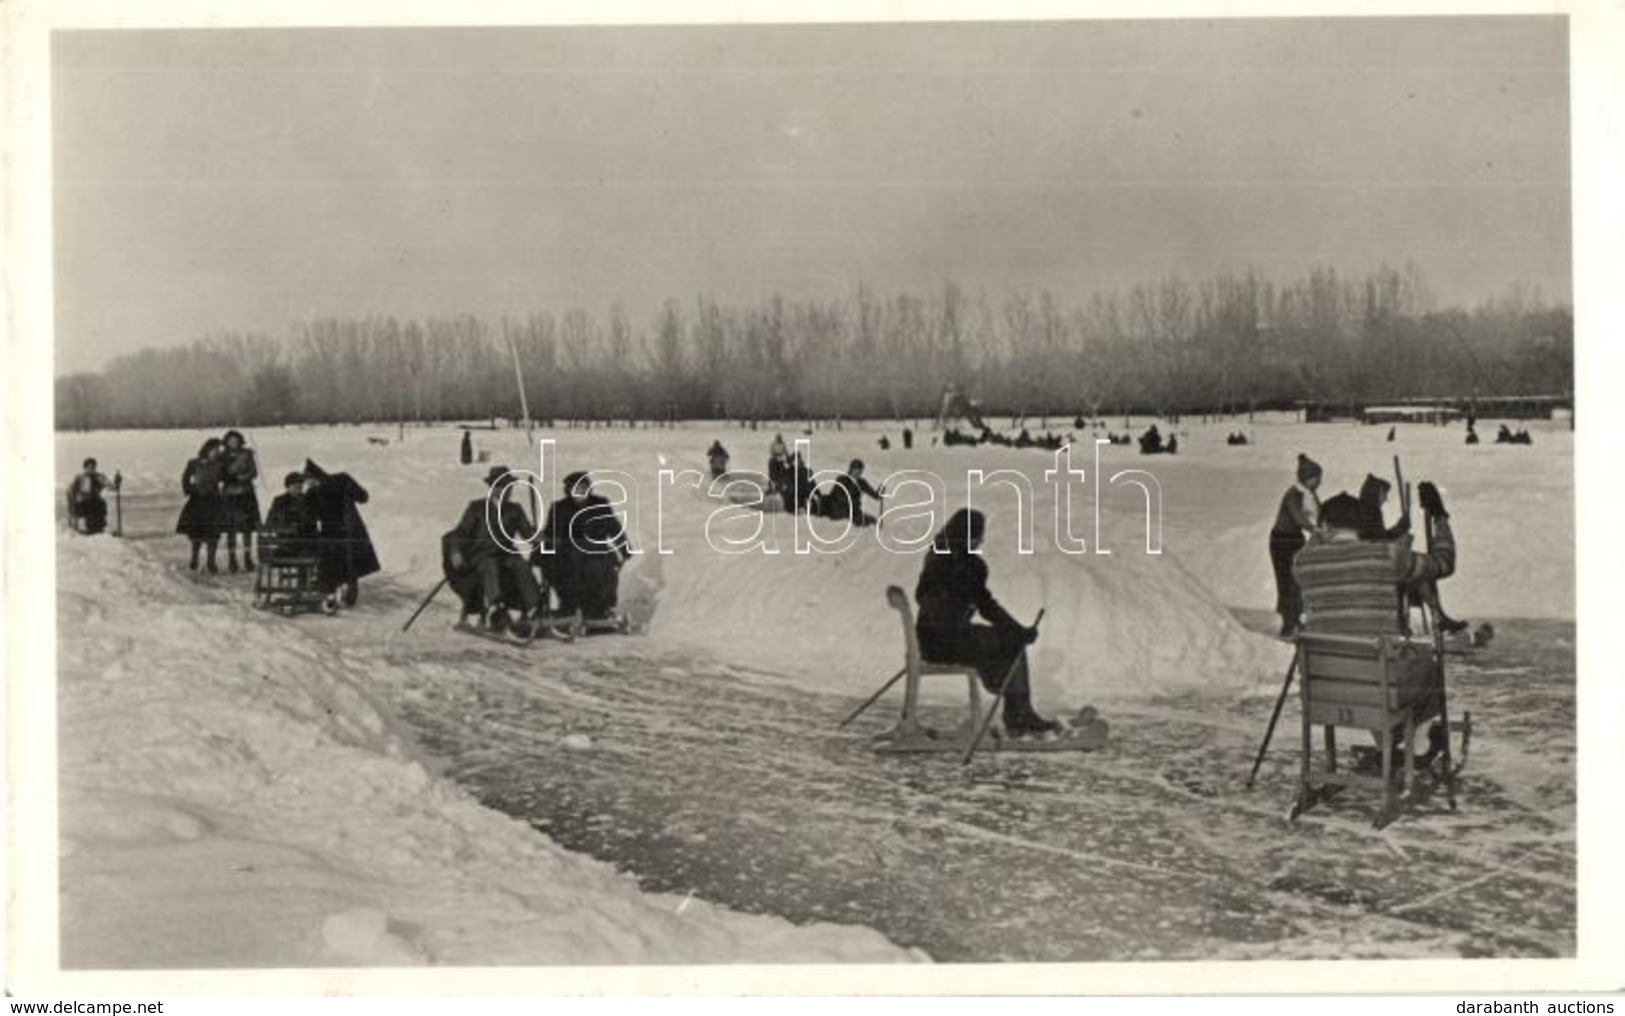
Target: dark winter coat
(474, 538)
(291, 527)
(952, 590)
(240, 504)
(587, 545)
(474, 542)
(347, 553)
(845, 500)
(85, 501)
(467, 454)
(202, 517)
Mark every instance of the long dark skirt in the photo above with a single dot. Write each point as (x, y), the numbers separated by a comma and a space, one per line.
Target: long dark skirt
(201, 518)
(239, 513)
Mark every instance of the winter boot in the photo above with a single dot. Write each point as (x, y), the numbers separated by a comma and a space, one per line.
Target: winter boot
(1021, 719)
(352, 592)
(209, 564)
(231, 561)
(1450, 625)
(498, 620)
(248, 559)
(195, 548)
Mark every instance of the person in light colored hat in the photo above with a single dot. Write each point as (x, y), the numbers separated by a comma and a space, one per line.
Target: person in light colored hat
(1296, 518)
(485, 559)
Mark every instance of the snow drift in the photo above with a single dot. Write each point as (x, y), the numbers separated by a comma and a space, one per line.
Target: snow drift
(247, 798)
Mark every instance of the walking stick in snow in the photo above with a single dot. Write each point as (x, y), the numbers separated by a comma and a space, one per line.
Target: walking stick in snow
(1269, 731)
(426, 601)
(872, 699)
(998, 698)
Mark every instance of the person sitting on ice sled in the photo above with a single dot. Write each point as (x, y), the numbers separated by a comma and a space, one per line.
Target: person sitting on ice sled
(1351, 586)
(845, 499)
(87, 508)
(1373, 494)
(952, 589)
(585, 546)
(717, 457)
(290, 524)
(483, 564)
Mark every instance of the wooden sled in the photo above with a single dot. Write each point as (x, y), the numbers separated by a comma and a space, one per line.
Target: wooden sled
(523, 633)
(1085, 732)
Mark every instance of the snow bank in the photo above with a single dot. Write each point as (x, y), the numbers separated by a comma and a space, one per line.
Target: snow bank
(233, 795)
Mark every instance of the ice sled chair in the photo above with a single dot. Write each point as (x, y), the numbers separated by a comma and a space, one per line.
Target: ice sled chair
(909, 734)
(1358, 670)
(286, 579)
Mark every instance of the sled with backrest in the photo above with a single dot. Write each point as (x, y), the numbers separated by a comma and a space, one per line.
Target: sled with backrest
(287, 577)
(910, 734)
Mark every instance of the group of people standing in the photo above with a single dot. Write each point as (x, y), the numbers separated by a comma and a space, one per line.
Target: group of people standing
(1302, 520)
(221, 501)
(314, 516)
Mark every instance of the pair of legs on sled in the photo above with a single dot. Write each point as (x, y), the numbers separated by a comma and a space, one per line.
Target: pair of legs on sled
(996, 653)
(500, 585)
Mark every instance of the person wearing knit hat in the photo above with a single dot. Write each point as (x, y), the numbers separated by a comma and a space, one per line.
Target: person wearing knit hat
(1297, 516)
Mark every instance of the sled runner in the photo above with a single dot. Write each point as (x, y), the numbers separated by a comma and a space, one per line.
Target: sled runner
(524, 631)
(1085, 732)
(286, 580)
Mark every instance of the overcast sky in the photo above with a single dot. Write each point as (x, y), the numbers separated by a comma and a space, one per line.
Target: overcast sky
(249, 180)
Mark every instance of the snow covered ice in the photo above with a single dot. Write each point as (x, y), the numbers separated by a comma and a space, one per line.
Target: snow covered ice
(264, 791)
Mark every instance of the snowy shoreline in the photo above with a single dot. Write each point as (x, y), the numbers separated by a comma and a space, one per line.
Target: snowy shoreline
(249, 803)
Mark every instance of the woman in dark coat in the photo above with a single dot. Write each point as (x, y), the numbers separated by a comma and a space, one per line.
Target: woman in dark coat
(200, 519)
(239, 504)
(1298, 515)
(952, 589)
(347, 554)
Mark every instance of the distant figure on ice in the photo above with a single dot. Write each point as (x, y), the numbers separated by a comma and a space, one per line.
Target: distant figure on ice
(1151, 442)
(346, 552)
(588, 546)
(1173, 444)
(239, 504)
(87, 508)
(486, 571)
(290, 525)
(1472, 435)
(200, 519)
(717, 457)
(1504, 435)
(798, 490)
(778, 464)
(845, 499)
(468, 447)
(1299, 514)
(952, 589)
(1373, 494)
(1391, 432)
(885, 443)
(908, 439)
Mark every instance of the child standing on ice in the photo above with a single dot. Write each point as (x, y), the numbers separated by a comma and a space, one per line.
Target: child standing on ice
(239, 504)
(952, 589)
(1297, 516)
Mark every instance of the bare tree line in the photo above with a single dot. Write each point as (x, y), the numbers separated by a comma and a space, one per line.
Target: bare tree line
(1228, 343)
